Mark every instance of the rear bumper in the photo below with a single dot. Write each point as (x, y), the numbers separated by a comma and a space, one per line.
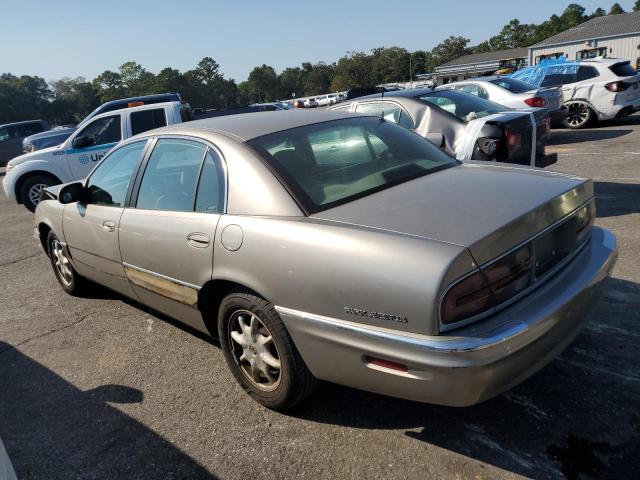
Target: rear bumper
(468, 365)
(558, 116)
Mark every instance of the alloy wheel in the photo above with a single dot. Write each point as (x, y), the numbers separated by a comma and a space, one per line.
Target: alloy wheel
(61, 263)
(578, 114)
(254, 350)
(34, 192)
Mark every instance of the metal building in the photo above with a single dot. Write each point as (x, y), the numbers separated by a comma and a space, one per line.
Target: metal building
(614, 36)
(481, 64)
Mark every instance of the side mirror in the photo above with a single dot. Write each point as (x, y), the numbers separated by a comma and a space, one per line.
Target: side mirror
(82, 142)
(436, 138)
(71, 192)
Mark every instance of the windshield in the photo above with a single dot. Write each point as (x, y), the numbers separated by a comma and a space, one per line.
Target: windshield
(330, 163)
(513, 85)
(465, 106)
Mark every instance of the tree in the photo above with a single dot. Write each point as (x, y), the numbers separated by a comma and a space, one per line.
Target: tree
(636, 6)
(355, 69)
(74, 99)
(23, 98)
(600, 12)
(513, 35)
(262, 85)
(109, 86)
(616, 9)
(449, 49)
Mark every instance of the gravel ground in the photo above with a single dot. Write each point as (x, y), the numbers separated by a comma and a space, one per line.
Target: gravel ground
(102, 388)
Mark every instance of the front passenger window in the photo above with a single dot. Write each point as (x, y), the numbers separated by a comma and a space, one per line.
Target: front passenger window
(109, 182)
(171, 175)
(103, 130)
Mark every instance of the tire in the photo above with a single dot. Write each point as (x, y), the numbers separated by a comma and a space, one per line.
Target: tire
(252, 358)
(580, 115)
(29, 191)
(67, 277)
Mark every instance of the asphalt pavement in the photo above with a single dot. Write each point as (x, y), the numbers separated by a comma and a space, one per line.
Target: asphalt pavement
(100, 387)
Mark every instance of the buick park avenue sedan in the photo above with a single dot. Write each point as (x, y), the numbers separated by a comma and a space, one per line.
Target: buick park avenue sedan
(340, 247)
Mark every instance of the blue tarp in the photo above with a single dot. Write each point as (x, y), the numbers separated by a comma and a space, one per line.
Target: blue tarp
(554, 68)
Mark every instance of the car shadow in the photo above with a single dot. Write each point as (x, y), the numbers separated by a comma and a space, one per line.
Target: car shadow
(614, 199)
(51, 429)
(567, 137)
(579, 416)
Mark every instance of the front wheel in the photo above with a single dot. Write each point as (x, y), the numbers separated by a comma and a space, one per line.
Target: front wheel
(29, 192)
(67, 277)
(579, 115)
(260, 353)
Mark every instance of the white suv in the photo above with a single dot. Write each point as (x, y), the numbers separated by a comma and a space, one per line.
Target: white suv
(599, 88)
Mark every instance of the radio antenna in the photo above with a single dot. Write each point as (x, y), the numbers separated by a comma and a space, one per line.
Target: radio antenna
(382, 105)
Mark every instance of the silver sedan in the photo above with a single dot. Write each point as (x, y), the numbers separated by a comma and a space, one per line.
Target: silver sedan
(340, 247)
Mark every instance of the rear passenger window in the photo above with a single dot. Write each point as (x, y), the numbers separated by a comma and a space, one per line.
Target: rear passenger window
(390, 111)
(585, 73)
(145, 120)
(30, 128)
(210, 197)
(171, 174)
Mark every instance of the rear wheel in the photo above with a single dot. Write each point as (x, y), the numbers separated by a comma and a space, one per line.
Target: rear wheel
(260, 353)
(579, 115)
(30, 189)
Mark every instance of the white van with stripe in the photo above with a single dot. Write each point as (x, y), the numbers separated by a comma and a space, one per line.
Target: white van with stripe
(28, 174)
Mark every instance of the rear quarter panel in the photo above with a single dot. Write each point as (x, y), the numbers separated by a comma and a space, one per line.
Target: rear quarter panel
(325, 267)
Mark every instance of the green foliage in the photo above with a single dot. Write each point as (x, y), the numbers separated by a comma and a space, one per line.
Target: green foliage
(69, 100)
(616, 9)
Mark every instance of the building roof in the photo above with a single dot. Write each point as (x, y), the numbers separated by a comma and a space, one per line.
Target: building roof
(488, 57)
(599, 27)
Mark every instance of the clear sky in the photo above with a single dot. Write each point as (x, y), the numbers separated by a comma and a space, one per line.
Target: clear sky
(72, 38)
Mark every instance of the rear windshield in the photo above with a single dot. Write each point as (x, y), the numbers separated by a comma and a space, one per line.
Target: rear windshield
(623, 69)
(465, 106)
(331, 163)
(513, 85)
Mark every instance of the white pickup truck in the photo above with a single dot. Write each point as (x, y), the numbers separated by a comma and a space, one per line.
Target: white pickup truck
(28, 174)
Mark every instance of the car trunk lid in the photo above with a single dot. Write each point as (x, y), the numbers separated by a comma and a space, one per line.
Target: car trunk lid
(486, 208)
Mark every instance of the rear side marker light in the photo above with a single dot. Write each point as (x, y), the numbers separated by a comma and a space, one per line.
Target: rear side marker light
(379, 362)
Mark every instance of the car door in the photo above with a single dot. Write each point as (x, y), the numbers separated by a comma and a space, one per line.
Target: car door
(167, 232)
(103, 134)
(91, 227)
(10, 143)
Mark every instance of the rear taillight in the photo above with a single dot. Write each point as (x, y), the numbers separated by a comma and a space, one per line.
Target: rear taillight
(536, 102)
(466, 299)
(617, 86)
(493, 285)
(510, 275)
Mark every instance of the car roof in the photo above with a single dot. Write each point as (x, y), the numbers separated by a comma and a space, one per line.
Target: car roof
(407, 93)
(248, 126)
(19, 123)
(605, 61)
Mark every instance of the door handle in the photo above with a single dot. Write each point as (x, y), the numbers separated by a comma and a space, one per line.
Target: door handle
(108, 226)
(198, 240)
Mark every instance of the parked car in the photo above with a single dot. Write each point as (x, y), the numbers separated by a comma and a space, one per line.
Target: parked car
(445, 117)
(339, 247)
(55, 137)
(325, 100)
(271, 106)
(310, 103)
(593, 89)
(12, 134)
(356, 92)
(517, 94)
(298, 103)
(28, 174)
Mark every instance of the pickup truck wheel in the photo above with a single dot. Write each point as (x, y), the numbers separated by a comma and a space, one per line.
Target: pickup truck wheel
(67, 277)
(29, 191)
(260, 353)
(579, 115)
